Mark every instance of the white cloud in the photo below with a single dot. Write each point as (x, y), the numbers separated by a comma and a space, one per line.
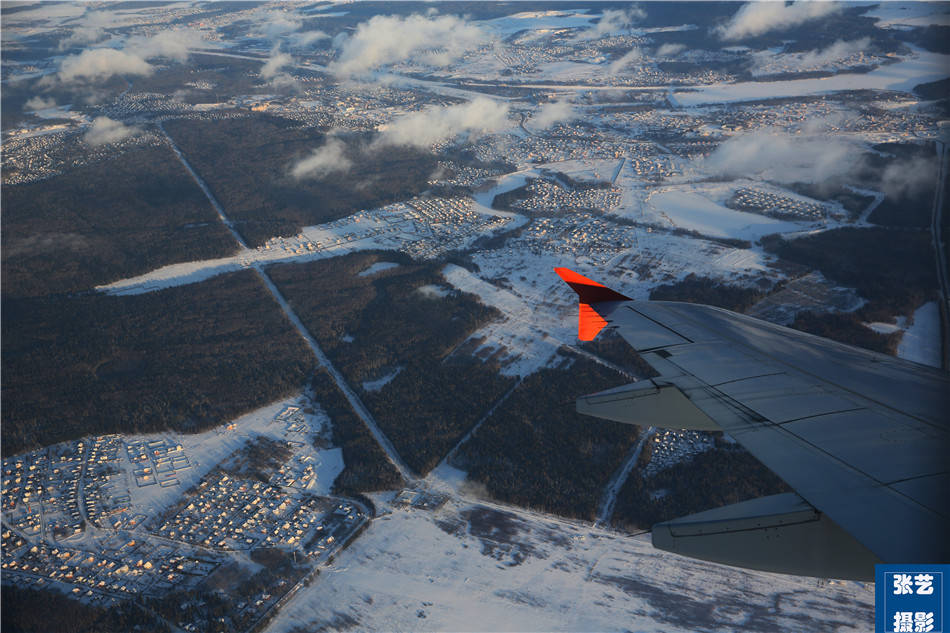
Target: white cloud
(631, 56)
(305, 39)
(836, 52)
(81, 36)
(382, 40)
(276, 23)
(782, 158)
(102, 63)
(907, 178)
(427, 127)
(284, 82)
(274, 63)
(331, 158)
(756, 18)
(766, 62)
(173, 44)
(612, 21)
(670, 50)
(39, 103)
(551, 113)
(105, 130)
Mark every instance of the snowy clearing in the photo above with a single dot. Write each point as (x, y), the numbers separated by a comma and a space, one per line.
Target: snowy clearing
(489, 568)
(378, 267)
(903, 75)
(689, 210)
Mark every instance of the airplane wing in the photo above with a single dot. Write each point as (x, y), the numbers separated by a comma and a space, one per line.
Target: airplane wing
(863, 438)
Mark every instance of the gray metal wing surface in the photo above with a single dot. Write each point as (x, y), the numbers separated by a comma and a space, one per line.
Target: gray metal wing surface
(862, 437)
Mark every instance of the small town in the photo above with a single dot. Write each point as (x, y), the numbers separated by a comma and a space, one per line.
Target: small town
(72, 522)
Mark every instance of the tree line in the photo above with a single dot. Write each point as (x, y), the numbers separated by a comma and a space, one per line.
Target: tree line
(104, 221)
(366, 468)
(187, 359)
(725, 475)
(395, 321)
(247, 163)
(536, 451)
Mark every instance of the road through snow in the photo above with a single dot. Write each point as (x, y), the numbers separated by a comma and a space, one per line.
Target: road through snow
(351, 396)
(609, 501)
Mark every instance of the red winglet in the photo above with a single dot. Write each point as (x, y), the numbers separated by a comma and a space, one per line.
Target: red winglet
(589, 322)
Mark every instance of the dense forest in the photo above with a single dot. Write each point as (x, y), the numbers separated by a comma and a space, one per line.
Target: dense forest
(728, 474)
(852, 202)
(246, 161)
(105, 221)
(366, 468)
(403, 321)
(32, 611)
(847, 327)
(907, 173)
(893, 270)
(696, 289)
(536, 451)
(186, 358)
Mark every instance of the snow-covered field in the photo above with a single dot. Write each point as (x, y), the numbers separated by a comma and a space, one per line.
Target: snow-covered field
(923, 67)
(532, 328)
(205, 450)
(891, 14)
(481, 567)
(685, 209)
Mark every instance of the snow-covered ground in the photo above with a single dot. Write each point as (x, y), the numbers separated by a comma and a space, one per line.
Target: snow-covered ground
(543, 21)
(474, 567)
(531, 329)
(378, 267)
(923, 67)
(394, 227)
(890, 14)
(686, 209)
(920, 342)
(205, 450)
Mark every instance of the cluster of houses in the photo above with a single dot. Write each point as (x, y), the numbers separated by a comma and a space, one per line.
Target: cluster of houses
(129, 567)
(775, 205)
(241, 514)
(579, 233)
(115, 554)
(423, 227)
(547, 196)
(801, 63)
(157, 461)
(670, 447)
(461, 175)
(41, 490)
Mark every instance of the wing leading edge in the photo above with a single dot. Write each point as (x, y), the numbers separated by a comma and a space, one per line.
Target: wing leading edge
(861, 437)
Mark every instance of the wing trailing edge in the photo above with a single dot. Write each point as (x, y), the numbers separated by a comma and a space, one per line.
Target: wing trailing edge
(589, 321)
(861, 437)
